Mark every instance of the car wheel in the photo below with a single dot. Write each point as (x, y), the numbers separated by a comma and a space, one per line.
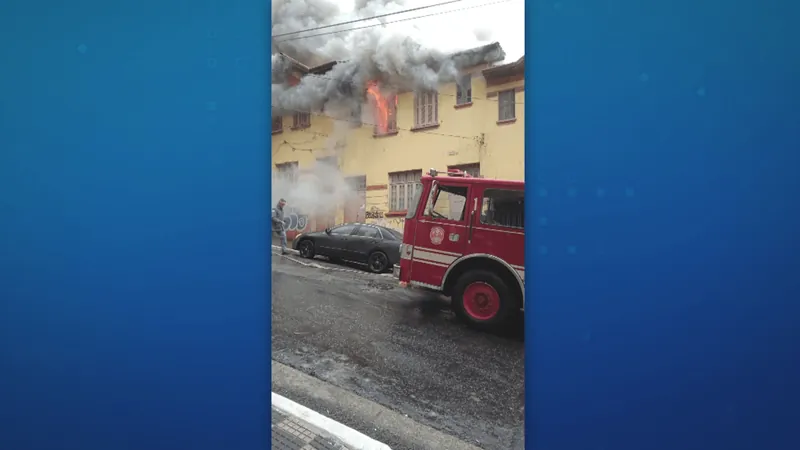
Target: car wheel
(483, 300)
(378, 262)
(306, 249)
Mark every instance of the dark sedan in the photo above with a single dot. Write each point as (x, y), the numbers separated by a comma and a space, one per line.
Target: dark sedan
(377, 247)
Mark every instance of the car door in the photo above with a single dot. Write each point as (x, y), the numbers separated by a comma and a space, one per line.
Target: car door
(335, 244)
(364, 239)
(441, 233)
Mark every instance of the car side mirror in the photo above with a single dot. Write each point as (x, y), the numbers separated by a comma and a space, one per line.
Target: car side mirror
(327, 231)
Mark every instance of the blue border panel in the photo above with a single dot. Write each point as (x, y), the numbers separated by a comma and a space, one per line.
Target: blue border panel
(134, 191)
(662, 164)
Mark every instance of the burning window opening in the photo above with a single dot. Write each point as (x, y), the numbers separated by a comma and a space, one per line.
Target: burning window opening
(385, 110)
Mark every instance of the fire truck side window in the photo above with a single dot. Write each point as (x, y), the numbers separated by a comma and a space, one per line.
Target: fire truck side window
(449, 203)
(503, 208)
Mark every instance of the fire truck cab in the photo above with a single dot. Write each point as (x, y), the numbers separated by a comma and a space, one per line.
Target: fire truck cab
(465, 237)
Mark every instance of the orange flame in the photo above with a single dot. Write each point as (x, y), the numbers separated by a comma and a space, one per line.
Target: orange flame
(381, 108)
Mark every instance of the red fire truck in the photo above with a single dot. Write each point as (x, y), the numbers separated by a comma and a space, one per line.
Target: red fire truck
(467, 240)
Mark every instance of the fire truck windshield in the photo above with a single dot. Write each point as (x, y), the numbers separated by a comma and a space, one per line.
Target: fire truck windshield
(412, 208)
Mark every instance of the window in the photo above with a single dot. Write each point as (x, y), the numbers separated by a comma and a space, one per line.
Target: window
(447, 202)
(391, 235)
(464, 90)
(301, 120)
(402, 187)
(505, 104)
(503, 208)
(426, 109)
(384, 110)
(287, 171)
(328, 162)
(344, 230)
(368, 232)
(277, 124)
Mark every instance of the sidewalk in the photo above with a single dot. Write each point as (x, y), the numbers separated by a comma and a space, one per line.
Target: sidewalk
(295, 427)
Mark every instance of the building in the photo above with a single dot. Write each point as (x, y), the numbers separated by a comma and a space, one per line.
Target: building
(476, 125)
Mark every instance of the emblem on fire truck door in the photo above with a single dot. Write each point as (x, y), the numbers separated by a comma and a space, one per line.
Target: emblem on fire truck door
(437, 235)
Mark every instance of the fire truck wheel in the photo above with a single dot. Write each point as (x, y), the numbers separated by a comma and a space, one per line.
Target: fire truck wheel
(482, 299)
(306, 248)
(378, 262)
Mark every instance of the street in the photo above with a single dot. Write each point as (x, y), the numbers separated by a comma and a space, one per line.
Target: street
(402, 349)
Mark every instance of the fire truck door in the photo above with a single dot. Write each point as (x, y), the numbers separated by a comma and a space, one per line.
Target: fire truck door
(441, 234)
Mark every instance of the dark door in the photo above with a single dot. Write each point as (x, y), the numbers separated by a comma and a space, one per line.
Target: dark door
(362, 242)
(335, 243)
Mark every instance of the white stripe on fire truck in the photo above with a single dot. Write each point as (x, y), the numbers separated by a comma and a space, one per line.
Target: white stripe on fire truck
(435, 257)
(423, 261)
(436, 250)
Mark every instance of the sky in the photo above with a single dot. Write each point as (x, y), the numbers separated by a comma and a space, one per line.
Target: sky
(480, 22)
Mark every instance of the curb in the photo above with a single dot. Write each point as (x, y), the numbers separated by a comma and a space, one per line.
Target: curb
(348, 436)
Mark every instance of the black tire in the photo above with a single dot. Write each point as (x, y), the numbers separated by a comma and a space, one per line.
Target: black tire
(505, 297)
(378, 262)
(306, 248)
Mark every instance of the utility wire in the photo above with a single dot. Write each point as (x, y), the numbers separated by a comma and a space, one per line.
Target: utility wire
(366, 18)
(389, 22)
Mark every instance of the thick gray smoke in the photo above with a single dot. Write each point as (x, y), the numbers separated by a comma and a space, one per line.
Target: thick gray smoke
(395, 61)
(379, 54)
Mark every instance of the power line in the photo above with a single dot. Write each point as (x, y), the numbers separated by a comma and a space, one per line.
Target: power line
(389, 22)
(367, 18)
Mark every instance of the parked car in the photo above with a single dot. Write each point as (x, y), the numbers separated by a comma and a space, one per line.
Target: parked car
(377, 247)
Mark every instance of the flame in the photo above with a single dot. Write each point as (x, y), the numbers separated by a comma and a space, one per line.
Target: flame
(381, 107)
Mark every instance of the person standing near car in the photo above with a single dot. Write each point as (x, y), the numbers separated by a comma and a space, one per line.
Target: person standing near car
(278, 225)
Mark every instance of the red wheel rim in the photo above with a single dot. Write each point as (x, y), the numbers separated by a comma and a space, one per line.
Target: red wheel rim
(481, 301)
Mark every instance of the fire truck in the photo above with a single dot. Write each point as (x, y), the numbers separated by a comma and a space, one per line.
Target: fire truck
(466, 239)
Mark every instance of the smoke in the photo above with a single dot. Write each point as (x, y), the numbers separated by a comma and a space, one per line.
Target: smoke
(320, 190)
(382, 54)
(393, 58)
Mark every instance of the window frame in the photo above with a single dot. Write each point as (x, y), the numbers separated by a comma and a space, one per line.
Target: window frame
(301, 120)
(277, 120)
(507, 104)
(423, 101)
(433, 200)
(391, 121)
(411, 178)
(368, 227)
(355, 227)
(462, 98)
(483, 197)
(288, 170)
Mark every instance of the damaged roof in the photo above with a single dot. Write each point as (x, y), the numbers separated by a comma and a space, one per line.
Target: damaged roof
(513, 68)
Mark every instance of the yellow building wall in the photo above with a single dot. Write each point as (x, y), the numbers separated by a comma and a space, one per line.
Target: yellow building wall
(465, 135)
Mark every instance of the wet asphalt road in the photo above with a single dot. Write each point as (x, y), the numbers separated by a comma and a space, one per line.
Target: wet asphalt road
(400, 348)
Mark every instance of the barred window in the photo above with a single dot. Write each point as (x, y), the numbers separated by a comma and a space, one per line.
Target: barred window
(301, 120)
(506, 105)
(426, 109)
(402, 187)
